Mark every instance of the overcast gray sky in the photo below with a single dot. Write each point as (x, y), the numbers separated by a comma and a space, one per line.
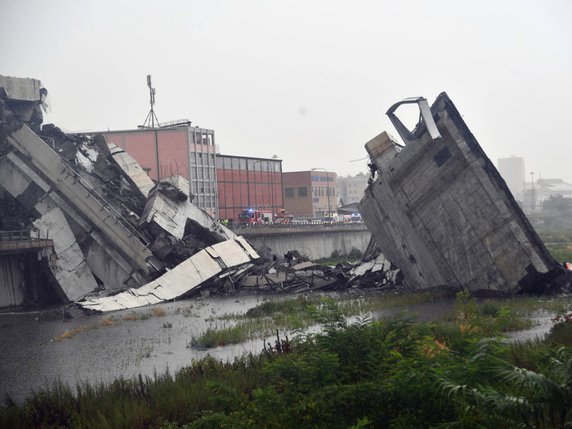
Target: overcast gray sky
(309, 81)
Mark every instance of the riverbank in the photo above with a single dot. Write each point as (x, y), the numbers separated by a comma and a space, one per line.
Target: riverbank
(42, 348)
(379, 370)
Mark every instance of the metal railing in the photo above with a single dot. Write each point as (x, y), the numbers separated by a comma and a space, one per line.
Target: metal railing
(103, 203)
(297, 224)
(21, 235)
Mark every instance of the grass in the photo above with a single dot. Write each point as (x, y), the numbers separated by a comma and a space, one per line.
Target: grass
(491, 317)
(389, 373)
(562, 252)
(110, 321)
(558, 243)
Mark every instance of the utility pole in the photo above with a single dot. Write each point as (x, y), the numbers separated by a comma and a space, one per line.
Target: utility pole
(532, 192)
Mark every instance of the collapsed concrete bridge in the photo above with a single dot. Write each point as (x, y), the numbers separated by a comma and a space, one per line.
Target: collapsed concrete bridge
(440, 211)
(112, 228)
(436, 207)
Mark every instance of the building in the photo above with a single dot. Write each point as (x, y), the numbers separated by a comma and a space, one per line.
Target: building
(248, 183)
(512, 171)
(177, 149)
(310, 193)
(543, 189)
(351, 188)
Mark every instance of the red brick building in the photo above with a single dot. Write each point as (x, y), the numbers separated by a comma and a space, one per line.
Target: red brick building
(175, 150)
(245, 182)
(310, 193)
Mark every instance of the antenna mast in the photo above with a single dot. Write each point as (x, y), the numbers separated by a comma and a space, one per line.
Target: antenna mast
(151, 120)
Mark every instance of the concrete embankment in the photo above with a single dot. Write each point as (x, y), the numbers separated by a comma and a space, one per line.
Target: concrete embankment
(315, 241)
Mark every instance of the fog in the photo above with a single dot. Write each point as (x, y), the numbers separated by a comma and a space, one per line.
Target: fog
(308, 81)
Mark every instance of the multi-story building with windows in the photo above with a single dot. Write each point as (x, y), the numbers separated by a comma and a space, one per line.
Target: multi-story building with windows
(351, 188)
(179, 149)
(310, 193)
(245, 183)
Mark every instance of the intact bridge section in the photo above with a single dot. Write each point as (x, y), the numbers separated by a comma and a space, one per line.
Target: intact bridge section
(315, 241)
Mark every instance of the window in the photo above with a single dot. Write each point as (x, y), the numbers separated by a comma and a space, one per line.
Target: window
(303, 192)
(289, 192)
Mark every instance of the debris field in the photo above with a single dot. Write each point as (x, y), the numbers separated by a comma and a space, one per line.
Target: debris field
(94, 230)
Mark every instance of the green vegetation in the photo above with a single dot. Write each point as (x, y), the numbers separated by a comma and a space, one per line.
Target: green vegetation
(298, 314)
(391, 373)
(339, 258)
(559, 243)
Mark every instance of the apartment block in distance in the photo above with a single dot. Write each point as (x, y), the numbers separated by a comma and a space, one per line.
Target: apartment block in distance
(512, 171)
(351, 188)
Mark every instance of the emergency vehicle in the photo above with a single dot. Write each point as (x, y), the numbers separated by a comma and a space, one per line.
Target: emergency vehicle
(252, 216)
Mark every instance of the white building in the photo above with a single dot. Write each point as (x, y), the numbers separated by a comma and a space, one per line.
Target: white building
(512, 171)
(351, 188)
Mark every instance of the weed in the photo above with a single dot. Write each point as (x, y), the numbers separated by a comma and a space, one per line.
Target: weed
(72, 333)
(158, 312)
(108, 321)
(561, 331)
(388, 373)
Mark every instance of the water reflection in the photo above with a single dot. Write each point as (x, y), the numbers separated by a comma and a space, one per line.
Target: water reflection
(146, 341)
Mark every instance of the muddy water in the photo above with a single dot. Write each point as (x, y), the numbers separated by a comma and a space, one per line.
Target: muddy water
(33, 353)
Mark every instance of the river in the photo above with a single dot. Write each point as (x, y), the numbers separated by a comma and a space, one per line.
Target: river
(41, 347)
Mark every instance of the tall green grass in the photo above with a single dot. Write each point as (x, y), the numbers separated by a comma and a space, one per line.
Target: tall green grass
(393, 373)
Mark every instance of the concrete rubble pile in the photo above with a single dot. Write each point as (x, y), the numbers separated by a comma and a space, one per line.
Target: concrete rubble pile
(440, 211)
(118, 238)
(297, 274)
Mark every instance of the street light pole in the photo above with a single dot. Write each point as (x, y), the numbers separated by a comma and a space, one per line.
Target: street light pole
(327, 187)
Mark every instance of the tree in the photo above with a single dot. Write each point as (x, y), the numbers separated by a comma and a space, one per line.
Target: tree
(558, 204)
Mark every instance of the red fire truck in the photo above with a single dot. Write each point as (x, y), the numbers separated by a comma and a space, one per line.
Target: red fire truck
(252, 216)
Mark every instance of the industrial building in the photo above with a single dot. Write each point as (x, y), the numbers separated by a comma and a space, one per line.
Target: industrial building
(310, 194)
(245, 182)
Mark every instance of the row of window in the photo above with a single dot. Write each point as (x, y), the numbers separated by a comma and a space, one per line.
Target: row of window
(232, 163)
(323, 192)
(322, 179)
(302, 192)
(316, 192)
(202, 187)
(202, 138)
(199, 158)
(203, 173)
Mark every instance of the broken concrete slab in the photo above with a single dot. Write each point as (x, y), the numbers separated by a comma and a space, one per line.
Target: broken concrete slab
(195, 271)
(69, 267)
(20, 89)
(91, 205)
(132, 170)
(440, 211)
(38, 196)
(171, 214)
